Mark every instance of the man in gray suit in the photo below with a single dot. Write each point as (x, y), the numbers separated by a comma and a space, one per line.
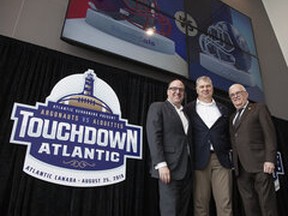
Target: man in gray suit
(253, 140)
(167, 133)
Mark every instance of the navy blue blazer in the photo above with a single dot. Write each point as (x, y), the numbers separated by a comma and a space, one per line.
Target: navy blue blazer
(203, 137)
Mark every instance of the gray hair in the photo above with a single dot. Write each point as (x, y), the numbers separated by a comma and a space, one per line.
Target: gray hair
(204, 78)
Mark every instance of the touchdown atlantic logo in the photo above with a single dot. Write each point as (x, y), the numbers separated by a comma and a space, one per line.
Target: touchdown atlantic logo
(77, 137)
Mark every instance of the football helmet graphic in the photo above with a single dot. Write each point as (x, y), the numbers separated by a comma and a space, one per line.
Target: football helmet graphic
(228, 52)
(224, 42)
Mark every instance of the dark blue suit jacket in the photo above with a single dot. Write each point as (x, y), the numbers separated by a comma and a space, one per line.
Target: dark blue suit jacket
(203, 137)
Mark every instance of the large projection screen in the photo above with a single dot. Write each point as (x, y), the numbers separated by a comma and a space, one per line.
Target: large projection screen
(191, 37)
(120, 27)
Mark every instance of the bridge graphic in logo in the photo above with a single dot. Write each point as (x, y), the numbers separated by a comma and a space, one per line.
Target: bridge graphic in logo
(77, 137)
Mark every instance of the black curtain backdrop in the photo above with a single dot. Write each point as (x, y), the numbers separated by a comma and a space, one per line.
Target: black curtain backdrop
(27, 75)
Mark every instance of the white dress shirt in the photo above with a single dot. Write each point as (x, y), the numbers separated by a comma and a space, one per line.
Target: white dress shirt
(208, 112)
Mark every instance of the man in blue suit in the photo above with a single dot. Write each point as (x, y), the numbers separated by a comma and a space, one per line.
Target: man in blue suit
(167, 133)
(209, 121)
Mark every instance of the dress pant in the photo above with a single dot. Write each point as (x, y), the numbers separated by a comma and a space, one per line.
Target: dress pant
(175, 197)
(217, 179)
(258, 193)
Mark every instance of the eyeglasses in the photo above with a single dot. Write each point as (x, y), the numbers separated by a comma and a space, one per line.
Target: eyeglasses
(236, 94)
(174, 89)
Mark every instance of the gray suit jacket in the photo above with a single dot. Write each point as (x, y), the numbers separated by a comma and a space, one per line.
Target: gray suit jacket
(166, 139)
(254, 139)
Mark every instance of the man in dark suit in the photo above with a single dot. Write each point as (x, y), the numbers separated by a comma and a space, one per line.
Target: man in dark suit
(167, 134)
(254, 153)
(209, 122)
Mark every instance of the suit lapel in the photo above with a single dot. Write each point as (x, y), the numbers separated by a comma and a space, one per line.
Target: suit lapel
(222, 112)
(244, 114)
(221, 109)
(173, 110)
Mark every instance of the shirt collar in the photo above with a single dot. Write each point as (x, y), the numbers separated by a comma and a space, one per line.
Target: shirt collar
(181, 107)
(244, 107)
(212, 103)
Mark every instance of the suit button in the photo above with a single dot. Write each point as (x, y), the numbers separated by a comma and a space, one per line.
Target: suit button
(236, 134)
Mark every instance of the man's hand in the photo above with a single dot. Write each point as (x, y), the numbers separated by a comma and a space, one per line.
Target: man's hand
(269, 167)
(164, 175)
